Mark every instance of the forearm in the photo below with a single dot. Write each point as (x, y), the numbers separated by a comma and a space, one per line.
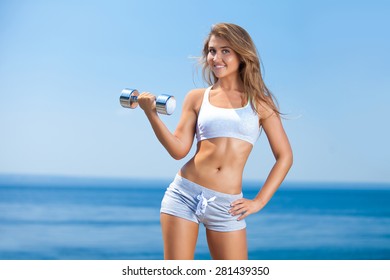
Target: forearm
(170, 142)
(274, 180)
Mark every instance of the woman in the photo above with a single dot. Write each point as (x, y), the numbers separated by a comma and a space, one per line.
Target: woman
(226, 118)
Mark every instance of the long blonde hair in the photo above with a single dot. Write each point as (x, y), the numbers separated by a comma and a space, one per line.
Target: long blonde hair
(250, 72)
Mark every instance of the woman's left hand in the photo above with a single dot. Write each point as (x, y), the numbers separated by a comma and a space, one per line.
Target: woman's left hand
(244, 207)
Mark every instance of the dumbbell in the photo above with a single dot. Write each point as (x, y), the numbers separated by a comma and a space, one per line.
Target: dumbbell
(165, 104)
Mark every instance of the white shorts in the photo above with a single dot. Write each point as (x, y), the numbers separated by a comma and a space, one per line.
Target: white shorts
(188, 200)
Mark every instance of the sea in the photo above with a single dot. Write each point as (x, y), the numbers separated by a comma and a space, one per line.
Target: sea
(68, 218)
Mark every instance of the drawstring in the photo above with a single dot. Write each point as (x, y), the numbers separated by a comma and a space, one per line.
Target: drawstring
(202, 204)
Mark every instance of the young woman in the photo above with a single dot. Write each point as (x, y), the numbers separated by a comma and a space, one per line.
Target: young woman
(226, 119)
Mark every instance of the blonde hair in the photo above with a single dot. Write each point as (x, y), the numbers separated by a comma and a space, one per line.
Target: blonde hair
(250, 73)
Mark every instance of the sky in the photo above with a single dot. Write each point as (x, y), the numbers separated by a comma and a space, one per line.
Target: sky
(63, 65)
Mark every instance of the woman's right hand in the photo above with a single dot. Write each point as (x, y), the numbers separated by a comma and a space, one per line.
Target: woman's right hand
(147, 102)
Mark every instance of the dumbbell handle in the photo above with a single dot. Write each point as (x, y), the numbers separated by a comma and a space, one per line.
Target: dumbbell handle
(165, 104)
(134, 98)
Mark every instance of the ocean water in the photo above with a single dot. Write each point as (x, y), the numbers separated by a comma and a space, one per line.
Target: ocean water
(100, 219)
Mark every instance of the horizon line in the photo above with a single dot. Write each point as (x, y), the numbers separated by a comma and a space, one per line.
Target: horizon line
(25, 177)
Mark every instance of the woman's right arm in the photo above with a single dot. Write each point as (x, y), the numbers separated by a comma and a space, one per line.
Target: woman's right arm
(179, 143)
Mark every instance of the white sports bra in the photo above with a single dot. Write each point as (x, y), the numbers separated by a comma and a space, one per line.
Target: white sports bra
(241, 123)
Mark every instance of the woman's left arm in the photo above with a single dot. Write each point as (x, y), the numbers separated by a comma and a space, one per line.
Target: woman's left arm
(281, 149)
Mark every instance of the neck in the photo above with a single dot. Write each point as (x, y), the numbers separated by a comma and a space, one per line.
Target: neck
(230, 83)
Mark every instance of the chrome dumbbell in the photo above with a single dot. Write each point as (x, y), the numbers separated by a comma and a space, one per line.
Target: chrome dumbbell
(165, 104)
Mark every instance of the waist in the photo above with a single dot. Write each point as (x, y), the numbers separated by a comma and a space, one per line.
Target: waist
(218, 164)
(220, 179)
(195, 188)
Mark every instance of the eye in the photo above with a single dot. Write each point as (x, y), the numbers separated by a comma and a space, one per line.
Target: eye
(225, 51)
(212, 51)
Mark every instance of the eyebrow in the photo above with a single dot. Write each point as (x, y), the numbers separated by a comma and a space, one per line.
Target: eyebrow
(223, 47)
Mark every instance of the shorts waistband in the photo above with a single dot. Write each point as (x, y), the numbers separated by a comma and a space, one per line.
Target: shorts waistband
(194, 187)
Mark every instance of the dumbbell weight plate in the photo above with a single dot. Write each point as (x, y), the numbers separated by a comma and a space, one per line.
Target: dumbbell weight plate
(128, 98)
(165, 104)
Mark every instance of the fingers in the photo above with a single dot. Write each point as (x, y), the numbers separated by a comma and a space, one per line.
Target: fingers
(244, 215)
(147, 94)
(146, 97)
(243, 207)
(146, 101)
(240, 207)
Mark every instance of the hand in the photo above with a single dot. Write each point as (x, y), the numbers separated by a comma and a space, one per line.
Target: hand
(146, 101)
(244, 207)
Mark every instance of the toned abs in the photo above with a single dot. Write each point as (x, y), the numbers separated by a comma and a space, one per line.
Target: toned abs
(218, 164)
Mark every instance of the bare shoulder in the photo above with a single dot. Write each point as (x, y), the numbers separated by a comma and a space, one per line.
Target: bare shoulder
(265, 110)
(196, 93)
(194, 98)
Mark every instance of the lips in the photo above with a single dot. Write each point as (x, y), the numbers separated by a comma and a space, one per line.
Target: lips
(219, 66)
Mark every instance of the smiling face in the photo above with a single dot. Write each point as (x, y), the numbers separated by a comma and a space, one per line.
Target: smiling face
(221, 58)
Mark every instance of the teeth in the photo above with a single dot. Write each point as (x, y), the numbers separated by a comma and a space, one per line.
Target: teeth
(219, 66)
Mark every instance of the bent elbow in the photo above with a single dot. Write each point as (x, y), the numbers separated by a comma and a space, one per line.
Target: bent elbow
(286, 159)
(290, 160)
(177, 155)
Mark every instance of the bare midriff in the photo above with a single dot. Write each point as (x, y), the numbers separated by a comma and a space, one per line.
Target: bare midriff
(218, 164)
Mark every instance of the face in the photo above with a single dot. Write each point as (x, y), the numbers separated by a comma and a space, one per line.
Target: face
(221, 58)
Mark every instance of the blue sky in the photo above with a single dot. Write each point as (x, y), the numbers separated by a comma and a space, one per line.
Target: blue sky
(63, 65)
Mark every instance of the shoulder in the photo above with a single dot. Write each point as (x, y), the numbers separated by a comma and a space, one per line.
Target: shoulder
(194, 98)
(266, 109)
(196, 93)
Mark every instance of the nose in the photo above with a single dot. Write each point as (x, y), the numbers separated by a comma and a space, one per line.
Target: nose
(216, 57)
